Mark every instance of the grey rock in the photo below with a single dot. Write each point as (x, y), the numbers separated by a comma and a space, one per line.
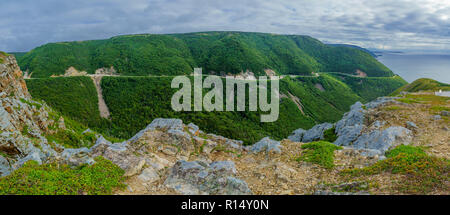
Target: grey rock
(297, 135)
(168, 124)
(5, 168)
(149, 175)
(120, 154)
(193, 128)
(445, 113)
(175, 126)
(266, 144)
(224, 167)
(383, 140)
(196, 177)
(411, 125)
(34, 156)
(348, 134)
(234, 144)
(316, 132)
(378, 124)
(77, 157)
(352, 118)
(380, 101)
(436, 117)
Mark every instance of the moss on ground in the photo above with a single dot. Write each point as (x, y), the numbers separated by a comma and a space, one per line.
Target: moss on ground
(423, 173)
(321, 153)
(101, 178)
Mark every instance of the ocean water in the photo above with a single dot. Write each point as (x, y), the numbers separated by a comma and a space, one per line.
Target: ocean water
(414, 66)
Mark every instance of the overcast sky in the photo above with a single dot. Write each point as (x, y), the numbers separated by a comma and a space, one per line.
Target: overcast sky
(382, 24)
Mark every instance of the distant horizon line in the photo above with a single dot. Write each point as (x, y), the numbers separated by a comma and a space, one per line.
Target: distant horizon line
(372, 49)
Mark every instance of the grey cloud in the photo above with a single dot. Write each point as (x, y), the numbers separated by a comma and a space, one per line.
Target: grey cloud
(391, 24)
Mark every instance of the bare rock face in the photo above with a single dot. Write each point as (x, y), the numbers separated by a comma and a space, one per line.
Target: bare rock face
(384, 140)
(316, 132)
(12, 83)
(194, 178)
(23, 121)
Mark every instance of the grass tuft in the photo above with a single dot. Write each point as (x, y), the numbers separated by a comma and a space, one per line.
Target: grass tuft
(101, 178)
(423, 173)
(321, 153)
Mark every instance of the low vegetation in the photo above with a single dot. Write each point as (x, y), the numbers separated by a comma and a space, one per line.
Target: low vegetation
(422, 173)
(2, 55)
(371, 88)
(423, 84)
(320, 152)
(101, 178)
(330, 135)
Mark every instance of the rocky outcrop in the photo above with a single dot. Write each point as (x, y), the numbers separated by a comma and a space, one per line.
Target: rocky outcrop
(12, 83)
(354, 131)
(23, 121)
(164, 144)
(381, 141)
(197, 177)
(297, 135)
(316, 132)
(313, 134)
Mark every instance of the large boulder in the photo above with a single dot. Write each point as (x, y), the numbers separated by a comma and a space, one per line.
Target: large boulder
(11, 79)
(316, 132)
(348, 134)
(349, 128)
(197, 177)
(297, 135)
(354, 117)
(165, 134)
(23, 121)
(121, 154)
(384, 140)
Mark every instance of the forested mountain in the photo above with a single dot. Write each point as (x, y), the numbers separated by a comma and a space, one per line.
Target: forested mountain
(220, 52)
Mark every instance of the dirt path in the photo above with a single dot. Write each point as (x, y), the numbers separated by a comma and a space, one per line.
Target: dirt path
(104, 111)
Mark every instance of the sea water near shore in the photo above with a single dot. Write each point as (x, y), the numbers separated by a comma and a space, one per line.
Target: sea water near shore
(414, 66)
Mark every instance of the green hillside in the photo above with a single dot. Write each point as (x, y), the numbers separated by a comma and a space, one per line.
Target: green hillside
(135, 101)
(228, 52)
(372, 87)
(423, 84)
(75, 97)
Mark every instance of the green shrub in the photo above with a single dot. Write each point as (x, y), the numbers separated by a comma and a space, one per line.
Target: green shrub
(101, 178)
(329, 135)
(2, 55)
(423, 173)
(320, 152)
(423, 84)
(407, 149)
(71, 139)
